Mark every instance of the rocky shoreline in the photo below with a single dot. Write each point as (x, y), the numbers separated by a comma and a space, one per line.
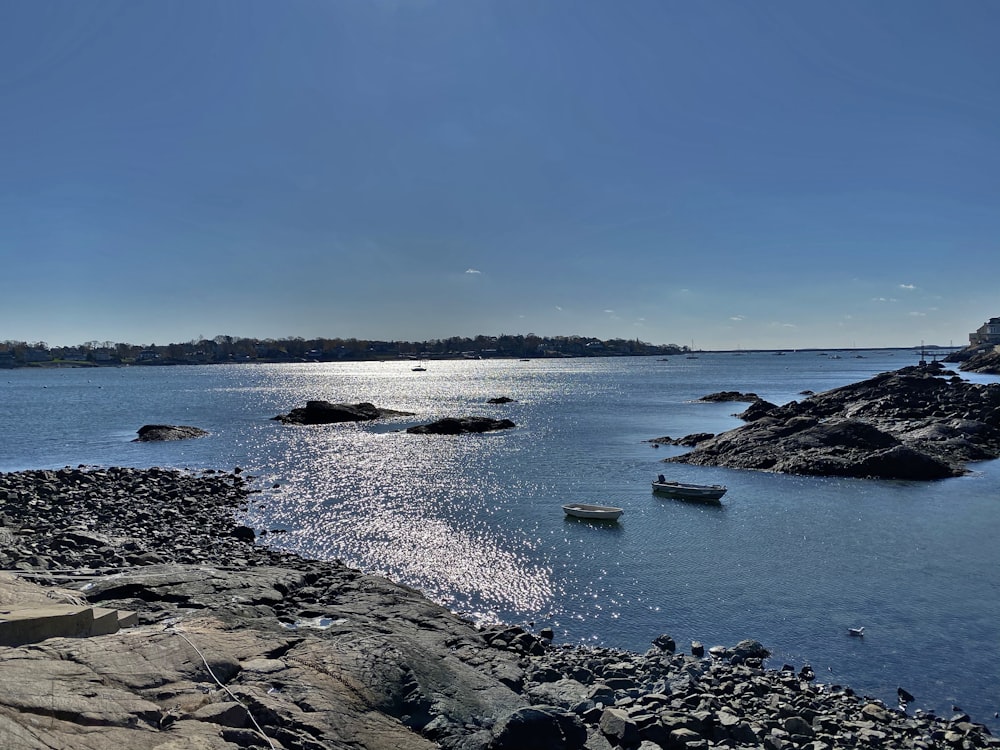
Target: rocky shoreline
(241, 646)
(916, 423)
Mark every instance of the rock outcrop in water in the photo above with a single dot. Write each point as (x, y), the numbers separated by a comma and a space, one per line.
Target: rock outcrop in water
(239, 646)
(984, 358)
(324, 412)
(461, 426)
(723, 396)
(151, 433)
(915, 423)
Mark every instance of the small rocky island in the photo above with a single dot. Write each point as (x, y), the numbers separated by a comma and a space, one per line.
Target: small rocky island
(461, 426)
(917, 423)
(219, 643)
(155, 433)
(324, 412)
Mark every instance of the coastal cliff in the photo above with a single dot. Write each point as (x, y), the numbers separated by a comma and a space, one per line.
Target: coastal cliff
(235, 645)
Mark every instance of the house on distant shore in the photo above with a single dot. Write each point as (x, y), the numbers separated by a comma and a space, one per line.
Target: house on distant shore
(988, 333)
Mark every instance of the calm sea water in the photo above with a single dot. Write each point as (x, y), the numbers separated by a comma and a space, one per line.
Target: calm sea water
(475, 521)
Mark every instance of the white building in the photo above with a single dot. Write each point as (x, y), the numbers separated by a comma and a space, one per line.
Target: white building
(988, 333)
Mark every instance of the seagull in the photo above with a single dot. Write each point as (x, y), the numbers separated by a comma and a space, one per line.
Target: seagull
(859, 632)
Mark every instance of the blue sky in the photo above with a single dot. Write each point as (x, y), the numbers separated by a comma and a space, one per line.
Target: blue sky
(737, 174)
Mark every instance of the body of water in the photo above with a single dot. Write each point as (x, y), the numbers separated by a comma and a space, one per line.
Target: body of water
(475, 521)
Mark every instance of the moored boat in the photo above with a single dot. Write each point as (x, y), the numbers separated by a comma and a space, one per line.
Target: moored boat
(709, 493)
(593, 512)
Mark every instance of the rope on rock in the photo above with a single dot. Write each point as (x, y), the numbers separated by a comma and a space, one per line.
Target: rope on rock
(172, 628)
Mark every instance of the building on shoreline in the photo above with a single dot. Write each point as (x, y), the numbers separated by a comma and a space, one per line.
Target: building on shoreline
(987, 333)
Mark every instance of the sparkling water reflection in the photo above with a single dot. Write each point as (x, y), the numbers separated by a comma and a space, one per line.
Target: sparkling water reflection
(475, 521)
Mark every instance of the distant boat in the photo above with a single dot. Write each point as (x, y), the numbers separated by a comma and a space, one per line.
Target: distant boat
(857, 632)
(419, 368)
(593, 512)
(709, 493)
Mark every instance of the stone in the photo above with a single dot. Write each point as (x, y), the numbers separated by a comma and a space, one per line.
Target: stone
(619, 727)
(160, 432)
(324, 412)
(538, 728)
(461, 426)
(665, 643)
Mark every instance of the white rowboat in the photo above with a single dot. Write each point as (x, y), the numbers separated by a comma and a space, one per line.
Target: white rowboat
(593, 512)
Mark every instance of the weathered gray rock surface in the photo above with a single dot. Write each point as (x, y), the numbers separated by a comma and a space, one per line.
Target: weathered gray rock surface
(915, 423)
(239, 646)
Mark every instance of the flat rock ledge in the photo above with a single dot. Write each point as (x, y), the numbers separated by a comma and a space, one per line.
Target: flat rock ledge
(239, 646)
(324, 412)
(461, 426)
(154, 433)
(917, 423)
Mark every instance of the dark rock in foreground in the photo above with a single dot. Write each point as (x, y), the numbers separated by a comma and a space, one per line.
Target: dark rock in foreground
(461, 426)
(239, 646)
(151, 433)
(908, 424)
(323, 412)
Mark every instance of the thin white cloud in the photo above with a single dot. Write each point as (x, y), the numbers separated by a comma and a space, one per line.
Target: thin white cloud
(558, 308)
(907, 286)
(737, 317)
(473, 270)
(916, 314)
(610, 312)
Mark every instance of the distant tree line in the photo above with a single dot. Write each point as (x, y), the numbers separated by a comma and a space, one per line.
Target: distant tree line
(224, 349)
